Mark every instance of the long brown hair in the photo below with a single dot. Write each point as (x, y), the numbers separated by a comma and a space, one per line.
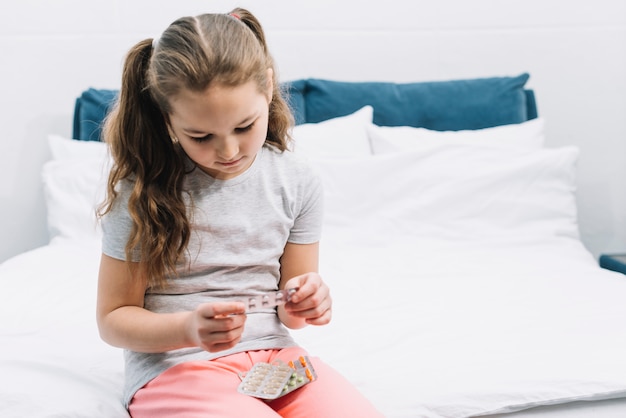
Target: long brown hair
(193, 53)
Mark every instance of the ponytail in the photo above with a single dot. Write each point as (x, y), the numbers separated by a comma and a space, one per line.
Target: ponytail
(252, 22)
(136, 123)
(144, 154)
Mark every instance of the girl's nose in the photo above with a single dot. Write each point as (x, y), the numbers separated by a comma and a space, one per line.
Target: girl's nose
(229, 148)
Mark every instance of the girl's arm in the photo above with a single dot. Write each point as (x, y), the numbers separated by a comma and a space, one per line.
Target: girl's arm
(123, 321)
(312, 303)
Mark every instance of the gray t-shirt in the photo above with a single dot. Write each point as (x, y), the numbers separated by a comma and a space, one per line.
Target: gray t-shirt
(239, 228)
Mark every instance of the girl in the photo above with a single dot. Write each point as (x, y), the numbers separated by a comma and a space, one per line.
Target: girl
(205, 206)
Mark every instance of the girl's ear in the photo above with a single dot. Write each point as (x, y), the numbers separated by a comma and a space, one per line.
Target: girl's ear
(270, 84)
(170, 131)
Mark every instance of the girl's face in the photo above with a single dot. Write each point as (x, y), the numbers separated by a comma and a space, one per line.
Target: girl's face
(222, 128)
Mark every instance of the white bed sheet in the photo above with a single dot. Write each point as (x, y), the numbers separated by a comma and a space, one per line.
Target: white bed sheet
(426, 330)
(456, 330)
(52, 360)
(460, 289)
(609, 408)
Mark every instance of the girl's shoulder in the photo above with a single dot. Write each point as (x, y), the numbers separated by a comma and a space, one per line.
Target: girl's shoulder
(286, 162)
(286, 157)
(123, 189)
(119, 206)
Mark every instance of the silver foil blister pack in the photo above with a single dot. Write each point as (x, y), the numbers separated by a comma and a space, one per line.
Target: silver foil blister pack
(273, 380)
(268, 300)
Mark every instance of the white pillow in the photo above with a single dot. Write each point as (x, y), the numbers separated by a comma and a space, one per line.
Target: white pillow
(340, 137)
(527, 135)
(454, 189)
(74, 183)
(67, 149)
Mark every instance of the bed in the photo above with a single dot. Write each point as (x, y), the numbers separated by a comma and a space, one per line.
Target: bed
(461, 287)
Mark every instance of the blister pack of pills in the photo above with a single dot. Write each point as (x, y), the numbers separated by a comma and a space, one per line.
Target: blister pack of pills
(268, 300)
(271, 381)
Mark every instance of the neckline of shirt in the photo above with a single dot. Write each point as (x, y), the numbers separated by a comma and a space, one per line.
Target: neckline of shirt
(235, 180)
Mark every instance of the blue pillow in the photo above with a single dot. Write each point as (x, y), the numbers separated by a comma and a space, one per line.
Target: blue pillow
(294, 94)
(438, 105)
(89, 112)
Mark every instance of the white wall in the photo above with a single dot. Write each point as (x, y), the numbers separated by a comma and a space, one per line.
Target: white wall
(575, 51)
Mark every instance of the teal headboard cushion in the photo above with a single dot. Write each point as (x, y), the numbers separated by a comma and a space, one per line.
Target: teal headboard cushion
(89, 113)
(295, 94)
(441, 105)
(438, 105)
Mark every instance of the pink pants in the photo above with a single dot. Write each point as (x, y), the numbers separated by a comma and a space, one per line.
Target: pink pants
(203, 389)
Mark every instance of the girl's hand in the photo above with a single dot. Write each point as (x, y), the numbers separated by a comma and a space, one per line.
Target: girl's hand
(312, 301)
(216, 326)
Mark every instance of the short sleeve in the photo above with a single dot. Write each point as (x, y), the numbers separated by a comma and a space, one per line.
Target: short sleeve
(116, 226)
(307, 227)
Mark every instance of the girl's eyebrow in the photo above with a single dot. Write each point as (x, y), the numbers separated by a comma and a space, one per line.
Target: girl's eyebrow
(193, 131)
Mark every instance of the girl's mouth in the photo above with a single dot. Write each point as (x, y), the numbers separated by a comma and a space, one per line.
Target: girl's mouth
(231, 163)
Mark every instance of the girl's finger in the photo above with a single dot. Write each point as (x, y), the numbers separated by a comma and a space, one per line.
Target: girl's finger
(222, 309)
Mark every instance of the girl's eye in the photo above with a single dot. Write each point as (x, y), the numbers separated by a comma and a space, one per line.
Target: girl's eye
(208, 137)
(244, 129)
(201, 138)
